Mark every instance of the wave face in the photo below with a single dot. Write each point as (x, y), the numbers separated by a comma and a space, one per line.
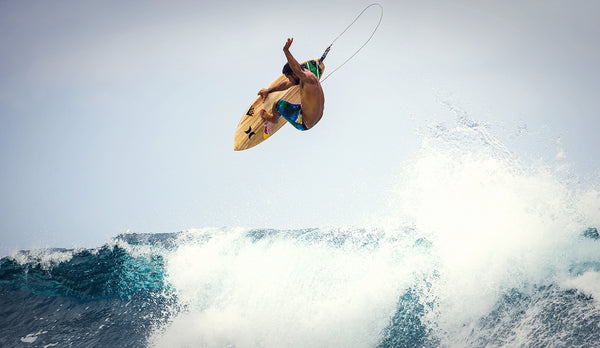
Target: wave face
(109, 296)
(478, 249)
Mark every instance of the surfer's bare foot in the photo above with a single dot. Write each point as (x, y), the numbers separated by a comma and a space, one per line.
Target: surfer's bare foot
(265, 115)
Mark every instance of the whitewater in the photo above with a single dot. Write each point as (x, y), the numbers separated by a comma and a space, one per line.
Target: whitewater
(479, 247)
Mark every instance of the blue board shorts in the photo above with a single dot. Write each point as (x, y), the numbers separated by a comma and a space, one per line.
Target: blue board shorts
(292, 113)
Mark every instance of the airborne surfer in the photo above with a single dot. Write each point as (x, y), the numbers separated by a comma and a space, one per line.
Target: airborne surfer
(305, 115)
(300, 83)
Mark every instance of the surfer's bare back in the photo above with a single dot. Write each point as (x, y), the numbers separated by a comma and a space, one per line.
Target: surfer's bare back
(305, 115)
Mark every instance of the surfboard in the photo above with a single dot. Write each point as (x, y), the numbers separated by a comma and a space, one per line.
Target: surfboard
(252, 129)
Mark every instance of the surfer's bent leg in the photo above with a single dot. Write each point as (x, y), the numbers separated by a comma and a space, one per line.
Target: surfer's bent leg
(291, 112)
(274, 109)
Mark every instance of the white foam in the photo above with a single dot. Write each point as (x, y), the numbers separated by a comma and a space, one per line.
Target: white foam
(588, 283)
(32, 337)
(283, 292)
(46, 258)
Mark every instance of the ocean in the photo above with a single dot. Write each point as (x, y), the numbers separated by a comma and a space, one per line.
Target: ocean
(479, 248)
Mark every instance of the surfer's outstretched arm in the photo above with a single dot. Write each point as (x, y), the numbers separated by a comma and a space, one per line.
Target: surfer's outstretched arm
(294, 65)
(303, 75)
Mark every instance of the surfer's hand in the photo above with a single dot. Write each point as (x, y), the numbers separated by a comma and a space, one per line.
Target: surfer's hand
(288, 44)
(263, 93)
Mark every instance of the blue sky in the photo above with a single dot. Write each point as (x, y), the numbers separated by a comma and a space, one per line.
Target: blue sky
(120, 116)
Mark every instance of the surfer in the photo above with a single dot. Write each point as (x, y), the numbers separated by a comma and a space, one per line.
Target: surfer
(305, 115)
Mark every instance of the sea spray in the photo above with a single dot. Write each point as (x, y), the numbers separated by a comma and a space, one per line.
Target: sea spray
(479, 248)
(495, 224)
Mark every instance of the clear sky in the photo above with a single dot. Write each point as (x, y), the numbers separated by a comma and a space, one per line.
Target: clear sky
(119, 116)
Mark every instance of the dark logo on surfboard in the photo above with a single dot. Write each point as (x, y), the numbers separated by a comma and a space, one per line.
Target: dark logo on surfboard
(249, 132)
(250, 111)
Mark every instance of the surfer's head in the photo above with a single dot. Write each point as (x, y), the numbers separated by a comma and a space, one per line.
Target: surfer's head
(287, 71)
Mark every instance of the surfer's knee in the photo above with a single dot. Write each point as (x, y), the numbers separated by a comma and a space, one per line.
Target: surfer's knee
(274, 110)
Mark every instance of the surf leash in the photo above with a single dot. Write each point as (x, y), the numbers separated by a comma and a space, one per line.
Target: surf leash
(342, 33)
